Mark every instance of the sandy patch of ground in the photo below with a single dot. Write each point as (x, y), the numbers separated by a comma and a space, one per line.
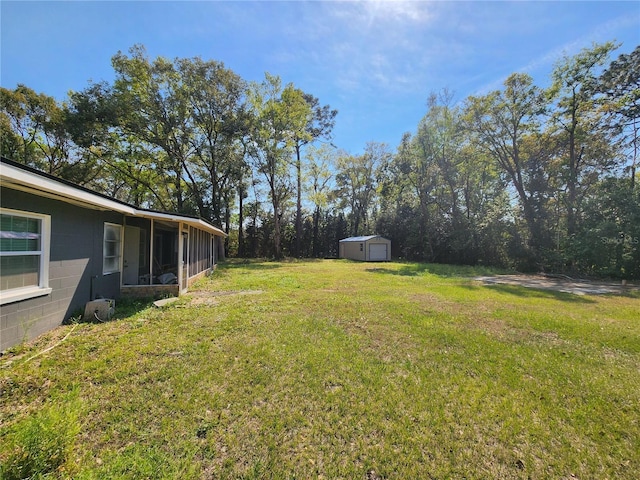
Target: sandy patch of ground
(205, 297)
(567, 285)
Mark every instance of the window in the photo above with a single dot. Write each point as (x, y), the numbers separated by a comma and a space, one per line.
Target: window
(112, 248)
(362, 247)
(24, 255)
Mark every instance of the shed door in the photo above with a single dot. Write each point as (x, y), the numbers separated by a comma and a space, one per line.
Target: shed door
(377, 252)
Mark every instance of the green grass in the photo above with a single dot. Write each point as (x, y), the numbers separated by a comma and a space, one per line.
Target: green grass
(337, 369)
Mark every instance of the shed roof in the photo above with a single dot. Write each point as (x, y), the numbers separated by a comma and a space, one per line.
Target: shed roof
(361, 239)
(21, 177)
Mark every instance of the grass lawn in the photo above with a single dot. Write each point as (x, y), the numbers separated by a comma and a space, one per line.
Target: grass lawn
(333, 369)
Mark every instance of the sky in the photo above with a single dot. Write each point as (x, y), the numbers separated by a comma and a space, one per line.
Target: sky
(376, 62)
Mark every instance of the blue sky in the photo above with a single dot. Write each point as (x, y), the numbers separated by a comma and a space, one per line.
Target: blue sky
(375, 61)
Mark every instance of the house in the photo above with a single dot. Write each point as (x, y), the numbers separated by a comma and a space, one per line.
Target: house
(62, 245)
(372, 248)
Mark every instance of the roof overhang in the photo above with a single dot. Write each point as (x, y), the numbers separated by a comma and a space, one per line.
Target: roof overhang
(362, 239)
(25, 180)
(175, 218)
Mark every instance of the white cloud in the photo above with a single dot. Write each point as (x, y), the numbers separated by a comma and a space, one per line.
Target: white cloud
(374, 46)
(399, 11)
(371, 13)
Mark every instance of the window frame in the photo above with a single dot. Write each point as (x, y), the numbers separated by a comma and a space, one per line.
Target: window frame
(42, 289)
(118, 267)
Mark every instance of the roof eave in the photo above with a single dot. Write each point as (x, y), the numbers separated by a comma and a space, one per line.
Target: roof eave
(24, 179)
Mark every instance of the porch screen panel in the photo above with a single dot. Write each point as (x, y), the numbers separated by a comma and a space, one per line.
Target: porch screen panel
(199, 251)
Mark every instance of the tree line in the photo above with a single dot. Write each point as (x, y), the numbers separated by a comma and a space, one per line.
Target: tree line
(538, 179)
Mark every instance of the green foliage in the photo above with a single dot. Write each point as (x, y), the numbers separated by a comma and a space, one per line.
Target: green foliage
(357, 179)
(155, 110)
(43, 445)
(442, 198)
(282, 117)
(39, 134)
(510, 178)
(217, 96)
(586, 152)
(620, 86)
(608, 243)
(506, 125)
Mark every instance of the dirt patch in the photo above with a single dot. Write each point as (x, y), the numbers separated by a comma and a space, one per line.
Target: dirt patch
(205, 297)
(559, 284)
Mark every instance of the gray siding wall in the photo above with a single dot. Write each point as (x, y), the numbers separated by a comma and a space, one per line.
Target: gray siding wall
(75, 268)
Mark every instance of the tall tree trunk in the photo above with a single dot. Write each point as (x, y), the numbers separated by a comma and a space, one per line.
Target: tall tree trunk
(179, 198)
(241, 252)
(356, 224)
(216, 214)
(197, 195)
(298, 202)
(572, 181)
(635, 155)
(227, 221)
(277, 247)
(316, 222)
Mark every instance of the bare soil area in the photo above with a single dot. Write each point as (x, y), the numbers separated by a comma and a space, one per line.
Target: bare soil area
(204, 297)
(559, 284)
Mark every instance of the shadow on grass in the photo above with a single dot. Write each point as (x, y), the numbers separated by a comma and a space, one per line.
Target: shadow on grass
(249, 264)
(125, 307)
(630, 293)
(441, 270)
(532, 292)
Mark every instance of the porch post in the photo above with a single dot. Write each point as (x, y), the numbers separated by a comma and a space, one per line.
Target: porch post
(152, 234)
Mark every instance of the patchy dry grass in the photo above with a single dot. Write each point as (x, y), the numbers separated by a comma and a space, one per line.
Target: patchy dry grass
(336, 369)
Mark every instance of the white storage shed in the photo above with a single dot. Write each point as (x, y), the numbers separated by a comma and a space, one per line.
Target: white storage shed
(372, 248)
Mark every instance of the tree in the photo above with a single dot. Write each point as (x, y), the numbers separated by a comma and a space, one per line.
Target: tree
(91, 120)
(15, 136)
(217, 98)
(92, 117)
(608, 243)
(620, 85)
(505, 125)
(35, 125)
(577, 119)
(155, 109)
(277, 114)
(441, 197)
(127, 164)
(319, 166)
(320, 123)
(298, 115)
(357, 179)
(438, 143)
